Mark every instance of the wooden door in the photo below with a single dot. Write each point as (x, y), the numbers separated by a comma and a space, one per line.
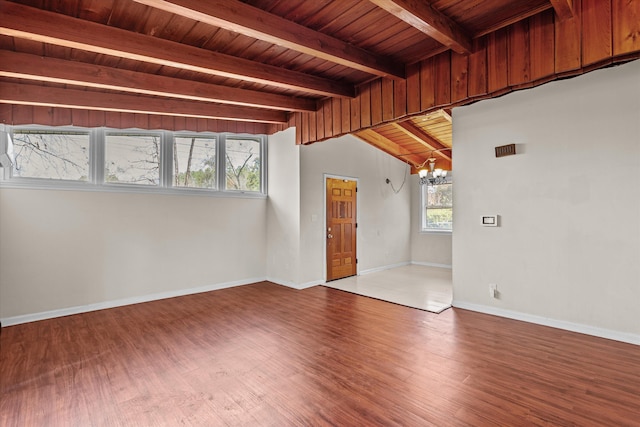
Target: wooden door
(341, 228)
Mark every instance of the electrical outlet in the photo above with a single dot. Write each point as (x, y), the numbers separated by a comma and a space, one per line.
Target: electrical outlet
(493, 290)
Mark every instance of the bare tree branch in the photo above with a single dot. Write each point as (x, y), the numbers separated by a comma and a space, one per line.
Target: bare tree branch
(43, 152)
(187, 174)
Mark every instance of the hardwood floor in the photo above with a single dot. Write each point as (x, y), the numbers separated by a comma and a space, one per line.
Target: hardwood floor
(264, 354)
(417, 286)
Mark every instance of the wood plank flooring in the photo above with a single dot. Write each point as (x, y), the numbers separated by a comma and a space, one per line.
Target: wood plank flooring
(267, 355)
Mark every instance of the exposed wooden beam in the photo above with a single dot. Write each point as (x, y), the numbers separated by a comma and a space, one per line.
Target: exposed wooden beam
(421, 15)
(513, 19)
(445, 115)
(251, 21)
(414, 132)
(38, 25)
(563, 8)
(33, 67)
(385, 144)
(25, 94)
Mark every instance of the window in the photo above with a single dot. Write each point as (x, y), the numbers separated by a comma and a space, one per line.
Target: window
(60, 155)
(132, 159)
(243, 164)
(194, 162)
(136, 160)
(437, 207)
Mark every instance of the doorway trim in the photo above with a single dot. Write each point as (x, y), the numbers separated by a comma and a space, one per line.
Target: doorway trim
(324, 219)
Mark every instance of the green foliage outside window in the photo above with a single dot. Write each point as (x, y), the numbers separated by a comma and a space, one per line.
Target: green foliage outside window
(438, 206)
(194, 162)
(243, 164)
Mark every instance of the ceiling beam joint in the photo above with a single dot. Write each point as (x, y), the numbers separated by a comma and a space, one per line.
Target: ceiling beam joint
(422, 16)
(563, 8)
(417, 134)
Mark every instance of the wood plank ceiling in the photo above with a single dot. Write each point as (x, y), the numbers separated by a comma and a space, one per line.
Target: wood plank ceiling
(387, 71)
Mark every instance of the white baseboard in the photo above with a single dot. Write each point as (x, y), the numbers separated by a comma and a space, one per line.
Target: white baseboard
(554, 323)
(311, 284)
(431, 264)
(286, 283)
(293, 285)
(15, 320)
(298, 286)
(384, 267)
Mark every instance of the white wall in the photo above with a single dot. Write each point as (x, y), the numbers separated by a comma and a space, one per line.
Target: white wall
(428, 248)
(383, 216)
(64, 249)
(567, 251)
(283, 209)
(70, 251)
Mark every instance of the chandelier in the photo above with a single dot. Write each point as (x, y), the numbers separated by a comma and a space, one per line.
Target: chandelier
(432, 176)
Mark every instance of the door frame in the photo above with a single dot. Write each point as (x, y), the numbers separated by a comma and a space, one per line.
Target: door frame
(324, 219)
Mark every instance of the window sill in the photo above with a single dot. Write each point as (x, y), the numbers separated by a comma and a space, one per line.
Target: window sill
(29, 184)
(445, 232)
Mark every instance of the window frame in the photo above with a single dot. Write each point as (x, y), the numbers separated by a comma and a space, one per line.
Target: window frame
(222, 173)
(170, 158)
(103, 163)
(21, 181)
(97, 164)
(424, 208)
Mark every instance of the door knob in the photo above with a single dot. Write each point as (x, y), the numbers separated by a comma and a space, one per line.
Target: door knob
(329, 236)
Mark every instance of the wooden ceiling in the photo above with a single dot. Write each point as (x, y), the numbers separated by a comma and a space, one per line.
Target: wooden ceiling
(328, 67)
(415, 139)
